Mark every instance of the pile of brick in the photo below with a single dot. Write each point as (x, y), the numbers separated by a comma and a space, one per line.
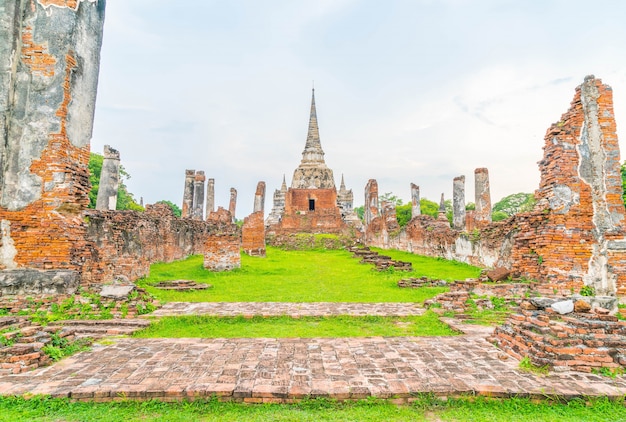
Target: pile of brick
(21, 343)
(182, 285)
(473, 294)
(82, 305)
(578, 341)
(415, 283)
(381, 262)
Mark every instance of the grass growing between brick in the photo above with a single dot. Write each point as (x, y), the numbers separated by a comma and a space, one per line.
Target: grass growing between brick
(304, 327)
(424, 409)
(304, 276)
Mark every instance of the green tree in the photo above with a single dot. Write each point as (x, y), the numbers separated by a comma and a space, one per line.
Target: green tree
(499, 216)
(175, 209)
(360, 212)
(125, 199)
(428, 207)
(404, 214)
(513, 204)
(390, 197)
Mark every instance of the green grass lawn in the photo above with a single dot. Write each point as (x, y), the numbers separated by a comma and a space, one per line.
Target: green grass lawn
(428, 409)
(285, 326)
(305, 276)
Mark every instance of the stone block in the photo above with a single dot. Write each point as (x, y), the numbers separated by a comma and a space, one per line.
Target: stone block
(563, 307)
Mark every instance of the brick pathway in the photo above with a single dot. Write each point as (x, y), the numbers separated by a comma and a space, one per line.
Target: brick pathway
(270, 370)
(284, 308)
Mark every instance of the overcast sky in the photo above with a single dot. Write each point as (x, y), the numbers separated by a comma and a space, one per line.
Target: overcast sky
(415, 91)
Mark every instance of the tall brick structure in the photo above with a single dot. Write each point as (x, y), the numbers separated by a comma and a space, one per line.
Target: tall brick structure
(576, 235)
(482, 194)
(49, 62)
(311, 204)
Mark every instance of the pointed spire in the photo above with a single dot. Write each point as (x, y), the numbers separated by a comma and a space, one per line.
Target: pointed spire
(343, 184)
(442, 205)
(313, 153)
(284, 185)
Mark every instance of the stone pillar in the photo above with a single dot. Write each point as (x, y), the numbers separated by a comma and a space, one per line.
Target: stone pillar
(483, 197)
(198, 195)
(49, 64)
(371, 201)
(259, 197)
(109, 180)
(187, 208)
(415, 201)
(458, 203)
(232, 205)
(210, 197)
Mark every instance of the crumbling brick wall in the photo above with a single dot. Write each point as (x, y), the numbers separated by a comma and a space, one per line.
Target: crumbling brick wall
(253, 234)
(127, 242)
(575, 236)
(222, 245)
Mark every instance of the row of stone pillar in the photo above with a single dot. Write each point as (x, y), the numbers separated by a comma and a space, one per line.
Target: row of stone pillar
(194, 198)
(482, 213)
(461, 220)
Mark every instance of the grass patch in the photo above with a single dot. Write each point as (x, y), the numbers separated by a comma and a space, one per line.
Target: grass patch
(425, 409)
(526, 365)
(60, 347)
(304, 327)
(304, 276)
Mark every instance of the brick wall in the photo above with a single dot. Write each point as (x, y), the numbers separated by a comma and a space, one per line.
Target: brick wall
(127, 242)
(253, 234)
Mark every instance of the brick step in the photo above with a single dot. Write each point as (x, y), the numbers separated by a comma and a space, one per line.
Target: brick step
(105, 322)
(102, 328)
(13, 323)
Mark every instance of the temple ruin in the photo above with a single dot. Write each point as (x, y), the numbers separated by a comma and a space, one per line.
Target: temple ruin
(312, 203)
(574, 237)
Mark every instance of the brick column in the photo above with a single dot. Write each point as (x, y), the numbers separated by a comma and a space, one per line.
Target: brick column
(371, 201)
(483, 197)
(232, 205)
(210, 197)
(198, 195)
(187, 208)
(415, 201)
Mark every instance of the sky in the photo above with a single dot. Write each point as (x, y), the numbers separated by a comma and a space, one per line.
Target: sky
(415, 91)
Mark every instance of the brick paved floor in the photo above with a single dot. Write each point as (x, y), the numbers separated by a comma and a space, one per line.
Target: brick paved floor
(270, 370)
(285, 308)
